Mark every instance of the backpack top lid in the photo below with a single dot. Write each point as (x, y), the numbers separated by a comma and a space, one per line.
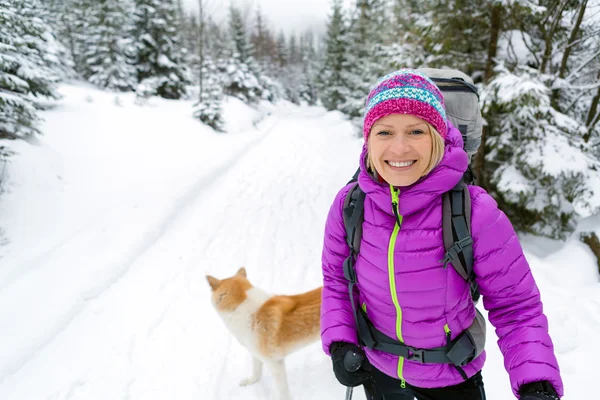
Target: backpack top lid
(462, 104)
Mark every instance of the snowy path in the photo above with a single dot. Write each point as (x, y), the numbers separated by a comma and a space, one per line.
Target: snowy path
(148, 327)
(113, 304)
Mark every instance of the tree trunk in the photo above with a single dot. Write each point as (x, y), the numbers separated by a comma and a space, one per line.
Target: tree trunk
(549, 36)
(201, 48)
(593, 115)
(592, 241)
(495, 29)
(572, 38)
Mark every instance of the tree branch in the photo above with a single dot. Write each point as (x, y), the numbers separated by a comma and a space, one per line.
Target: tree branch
(585, 63)
(572, 38)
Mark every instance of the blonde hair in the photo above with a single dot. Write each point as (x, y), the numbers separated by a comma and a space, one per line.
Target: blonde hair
(437, 151)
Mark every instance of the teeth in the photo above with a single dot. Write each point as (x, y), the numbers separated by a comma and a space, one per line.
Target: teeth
(401, 164)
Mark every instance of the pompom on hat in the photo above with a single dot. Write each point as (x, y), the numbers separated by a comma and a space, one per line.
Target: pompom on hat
(406, 91)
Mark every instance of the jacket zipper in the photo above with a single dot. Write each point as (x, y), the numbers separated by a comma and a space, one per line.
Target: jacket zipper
(395, 202)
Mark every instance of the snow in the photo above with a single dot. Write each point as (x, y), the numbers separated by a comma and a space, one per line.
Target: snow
(113, 217)
(512, 180)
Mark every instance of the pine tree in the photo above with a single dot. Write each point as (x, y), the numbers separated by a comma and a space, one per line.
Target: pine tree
(216, 39)
(332, 88)
(259, 37)
(239, 35)
(105, 59)
(539, 168)
(363, 66)
(158, 58)
(282, 51)
(191, 41)
(456, 33)
(307, 90)
(57, 14)
(209, 109)
(71, 19)
(29, 66)
(242, 76)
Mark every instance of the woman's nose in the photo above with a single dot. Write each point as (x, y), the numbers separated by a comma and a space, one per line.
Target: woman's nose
(400, 144)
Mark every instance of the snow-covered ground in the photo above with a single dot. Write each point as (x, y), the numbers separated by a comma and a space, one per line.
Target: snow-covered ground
(113, 217)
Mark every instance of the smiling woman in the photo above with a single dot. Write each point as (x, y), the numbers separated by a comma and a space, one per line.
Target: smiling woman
(415, 323)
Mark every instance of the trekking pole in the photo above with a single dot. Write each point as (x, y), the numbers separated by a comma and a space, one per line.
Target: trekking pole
(352, 362)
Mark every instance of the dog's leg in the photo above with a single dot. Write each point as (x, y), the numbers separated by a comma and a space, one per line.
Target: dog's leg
(257, 367)
(278, 370)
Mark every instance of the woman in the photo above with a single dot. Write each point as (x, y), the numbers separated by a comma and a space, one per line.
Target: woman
(411, 156)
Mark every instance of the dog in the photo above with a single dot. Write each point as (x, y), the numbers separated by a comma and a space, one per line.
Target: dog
(269, 326)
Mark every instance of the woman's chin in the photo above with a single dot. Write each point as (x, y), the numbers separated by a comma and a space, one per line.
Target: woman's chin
(400, 179)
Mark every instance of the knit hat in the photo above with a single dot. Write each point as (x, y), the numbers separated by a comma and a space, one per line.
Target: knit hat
(406, 91)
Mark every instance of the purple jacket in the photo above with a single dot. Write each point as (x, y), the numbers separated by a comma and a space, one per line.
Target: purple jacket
(428, 298)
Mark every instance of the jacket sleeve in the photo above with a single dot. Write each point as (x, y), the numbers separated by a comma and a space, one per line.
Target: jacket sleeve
(337, 320)
(511, 297)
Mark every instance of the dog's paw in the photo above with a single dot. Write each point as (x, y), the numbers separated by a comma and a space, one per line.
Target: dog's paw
(249, 381)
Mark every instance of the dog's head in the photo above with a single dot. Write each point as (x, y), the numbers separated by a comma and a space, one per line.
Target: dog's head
(229, 293)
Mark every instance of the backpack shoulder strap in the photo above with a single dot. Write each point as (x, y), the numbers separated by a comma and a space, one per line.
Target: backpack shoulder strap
(353, 217)
(456, 228)
(353, 214)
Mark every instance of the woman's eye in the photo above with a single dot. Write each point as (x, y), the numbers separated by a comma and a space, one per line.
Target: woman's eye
(416, 132)
(384, 133)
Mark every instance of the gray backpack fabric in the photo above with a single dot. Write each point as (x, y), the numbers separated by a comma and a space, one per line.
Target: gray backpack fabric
(462, 104)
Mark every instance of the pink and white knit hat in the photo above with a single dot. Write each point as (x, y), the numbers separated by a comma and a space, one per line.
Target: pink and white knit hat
(406, 91)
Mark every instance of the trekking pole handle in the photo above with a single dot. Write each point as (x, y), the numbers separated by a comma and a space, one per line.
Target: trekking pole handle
(353, 361)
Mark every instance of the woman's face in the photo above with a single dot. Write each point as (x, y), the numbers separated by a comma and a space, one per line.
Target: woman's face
(400, 147)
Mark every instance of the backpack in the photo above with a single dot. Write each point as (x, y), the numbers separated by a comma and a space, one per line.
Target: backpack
(462, 108)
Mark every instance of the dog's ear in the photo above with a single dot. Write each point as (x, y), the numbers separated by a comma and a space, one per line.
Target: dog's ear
(242, 272)
(213, 282)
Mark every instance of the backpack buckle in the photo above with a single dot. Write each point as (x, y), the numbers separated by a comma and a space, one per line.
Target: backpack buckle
(452, 253)
(417, 355)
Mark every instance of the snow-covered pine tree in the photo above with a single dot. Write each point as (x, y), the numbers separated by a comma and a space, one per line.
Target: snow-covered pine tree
(216, 39)
(242, 76)
(537, 156)
(576, 66)
(363, 64)
(451, 32)
(29, 66)
(158, 57)
(105, 60)
(307, 89)
(331, 85)
(281, 59)
(57, 15)
(209, 108)
(191, 41)
(259, 37)
(298, 77)
(538, 164)
(408, 22)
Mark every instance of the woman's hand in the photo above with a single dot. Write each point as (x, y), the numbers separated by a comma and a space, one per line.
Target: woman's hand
(344, 372)
(542, 390)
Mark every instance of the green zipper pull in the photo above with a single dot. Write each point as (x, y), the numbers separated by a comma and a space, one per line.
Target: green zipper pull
(395, 203)
(403, 384)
